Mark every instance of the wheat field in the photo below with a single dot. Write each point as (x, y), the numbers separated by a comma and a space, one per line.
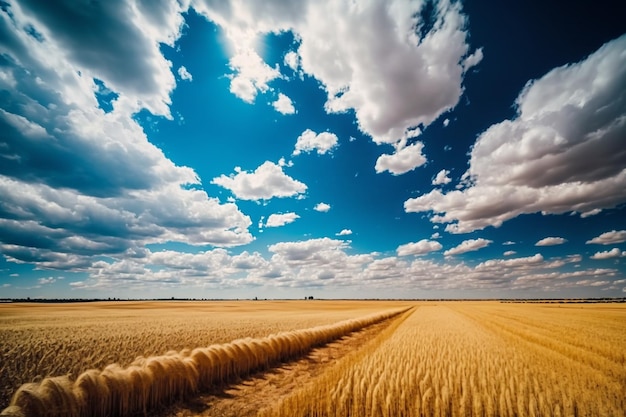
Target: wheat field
(41, 340)
(429, 358)
(480, 359)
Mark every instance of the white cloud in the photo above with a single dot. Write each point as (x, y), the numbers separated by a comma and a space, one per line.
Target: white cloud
(609, 238)
(310, 141)
(418, 248)
(435, 235)
(292, 60)
(104, 190)
(277, 220)
(473, 60)
(446, 122)
(44, 281)
(324, 263)
(284, 105)
(316, 262)
(377, 59)
(613, 253)
(344, 232)
(402, 161)
(251, 75)
(116, 43)
(508, 243)
(509, 253)
(469, 245)
(442, 177)
(265, 182)
(298, 252)
(322, 207)
(184, 74)
(590, 213)
(283, 163)
(562, 153)
(551, 241)
(511, 263)
(392, 77)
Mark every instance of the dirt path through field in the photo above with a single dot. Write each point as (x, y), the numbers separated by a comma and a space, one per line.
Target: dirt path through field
(247, 396)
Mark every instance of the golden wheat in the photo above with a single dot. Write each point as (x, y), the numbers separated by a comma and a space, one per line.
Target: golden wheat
(154, 381)
(41, 340)
(478, 359)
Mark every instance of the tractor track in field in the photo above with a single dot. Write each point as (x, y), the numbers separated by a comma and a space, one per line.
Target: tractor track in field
(248, 395)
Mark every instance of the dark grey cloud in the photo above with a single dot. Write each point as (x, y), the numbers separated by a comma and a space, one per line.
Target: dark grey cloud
(101, 37)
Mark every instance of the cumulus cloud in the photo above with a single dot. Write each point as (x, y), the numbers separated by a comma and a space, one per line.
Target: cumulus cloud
(283, 163)
(511, 263)
(310, 141)
(344, 232)
(442, 178)
(325, 263)
(509, 253)
(284, 105)
(413, 80)
(418, 248)
(184, 74)
(563, 152)
(472, 60)
(322, 207)
(251, 75)
(402, 161)
(265, 182)
(77, 182)
(613, 253)
(609, 238)
(292, 60)
(469, 245)
(381, 59)
(277, 220)
(116, 42)
(306, 249)
(551, 241)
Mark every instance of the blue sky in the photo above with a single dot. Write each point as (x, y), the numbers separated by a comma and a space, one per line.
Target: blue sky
(386, 149)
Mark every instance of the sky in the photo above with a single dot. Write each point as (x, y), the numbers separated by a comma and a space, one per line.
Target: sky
(333, 148)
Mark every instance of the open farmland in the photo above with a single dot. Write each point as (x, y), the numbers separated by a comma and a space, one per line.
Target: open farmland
(40, 340)
(420, 358)
(480, 359)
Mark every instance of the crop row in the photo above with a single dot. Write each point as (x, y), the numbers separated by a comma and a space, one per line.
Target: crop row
(39, 341)
(151, 382)
(463, 360)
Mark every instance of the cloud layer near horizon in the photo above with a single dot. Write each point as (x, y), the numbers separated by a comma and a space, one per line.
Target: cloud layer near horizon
(325, 262)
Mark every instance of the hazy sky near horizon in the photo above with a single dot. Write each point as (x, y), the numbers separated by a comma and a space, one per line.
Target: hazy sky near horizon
(281, 149)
